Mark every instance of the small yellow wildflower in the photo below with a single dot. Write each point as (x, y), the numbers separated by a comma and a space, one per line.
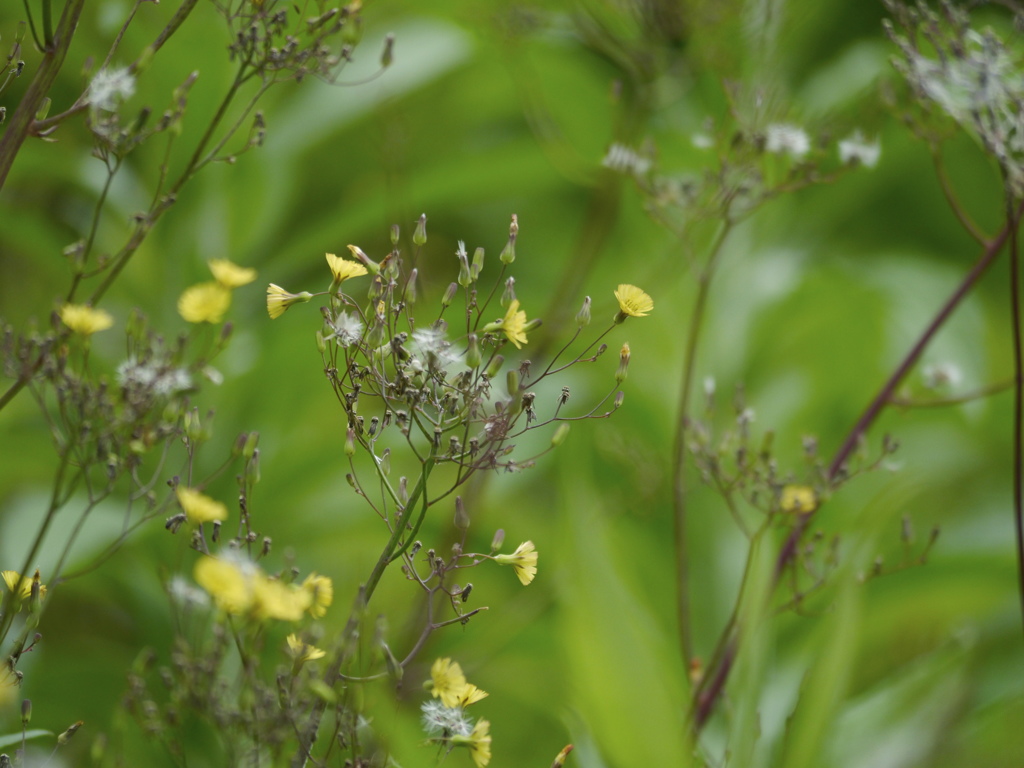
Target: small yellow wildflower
(204, 303)
(633, 302)
(321, 590)
(470, 695)
(21, 586)
(302, 652)
(230, 587)
(85, 320)
(230, 275)
(274, 600)
(513, 324)
(447, 681)
(198, 507)
(523, 560)
(278, 300)
(479, 743)
(798, 499)
(343, 269)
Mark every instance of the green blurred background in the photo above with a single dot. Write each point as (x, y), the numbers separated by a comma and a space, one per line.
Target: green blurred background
(494, 108)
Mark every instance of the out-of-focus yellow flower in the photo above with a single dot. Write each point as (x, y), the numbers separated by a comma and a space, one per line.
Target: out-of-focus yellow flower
(798, 499)
(343, 269)
(513, 325)
(321, 591)
(447, 681)
(278, 300)
(479, 743)
(204, 303)
(228, 583)
(274, 600)
(523, 560)
(230, 275)
(22, 587)
(198, 507)
(633, 302)
(10, 683)
(85, 320)
(302, 652)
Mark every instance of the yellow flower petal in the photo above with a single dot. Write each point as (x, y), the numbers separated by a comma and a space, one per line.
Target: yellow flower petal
(198, 507)
(85, 320)
(204, 303)
(633, 302)
(230, 275)
(448, 682)
(227, 583)
(343, 269)
(523, 561)
(278, 300)
(321, 591)
(798, 499)
(479, 743)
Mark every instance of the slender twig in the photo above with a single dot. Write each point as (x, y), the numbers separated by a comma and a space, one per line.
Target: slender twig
(1018, 396)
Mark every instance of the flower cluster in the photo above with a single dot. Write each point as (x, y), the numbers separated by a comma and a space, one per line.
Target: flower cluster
(240, 588)
(445, 721)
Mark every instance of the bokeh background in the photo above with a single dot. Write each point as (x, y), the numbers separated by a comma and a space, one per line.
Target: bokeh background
(495, 108)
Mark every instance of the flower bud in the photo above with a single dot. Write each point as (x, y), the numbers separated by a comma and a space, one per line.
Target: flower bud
(508, 253)
(410, 287)
(419, 236)
(461, 516)
(512, 382)
(350, 442)
(26, 711)
(251, 441)
(385, 462)
(357, 253)
(561, 433)
(583, 316)
(395, 233)
(620, 375)
(449, 294)
(509, 294)
(478, 263)
(498, 540)
(473, 356)
(495, 365)
(388, 54)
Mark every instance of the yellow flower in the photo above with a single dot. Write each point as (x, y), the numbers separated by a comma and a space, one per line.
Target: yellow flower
(523, 560)
(274, 600)
(204, 303)
(302, 652)
(278, 300)
(10, 683)
(22, 587)
(798, 499)
(227, 583)
(633, 302)
(479, 743)
(470, 695)
(85, 320)
(321, 591)
(343, 269)
(513, 324)
(448, 682)
(198, 507)
(230, 275)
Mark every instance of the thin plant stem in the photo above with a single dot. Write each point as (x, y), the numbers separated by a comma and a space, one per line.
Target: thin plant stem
(1018, 398)
(679, 488)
